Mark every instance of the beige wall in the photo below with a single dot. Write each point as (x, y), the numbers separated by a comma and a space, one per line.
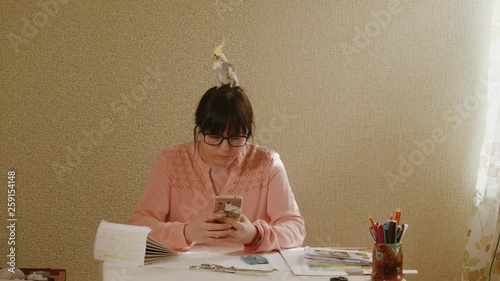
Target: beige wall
(348, 92)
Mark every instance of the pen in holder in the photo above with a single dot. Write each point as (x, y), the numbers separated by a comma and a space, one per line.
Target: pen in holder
(387, 264)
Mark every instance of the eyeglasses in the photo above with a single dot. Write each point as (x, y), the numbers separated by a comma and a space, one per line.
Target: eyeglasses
(215, 140)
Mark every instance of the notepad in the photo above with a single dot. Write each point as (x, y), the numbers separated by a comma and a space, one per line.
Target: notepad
(128, 245)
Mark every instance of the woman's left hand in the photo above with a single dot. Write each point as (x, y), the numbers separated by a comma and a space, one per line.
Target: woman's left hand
(244, 231)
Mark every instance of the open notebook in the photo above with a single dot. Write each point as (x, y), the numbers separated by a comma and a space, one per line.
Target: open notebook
(128, 245)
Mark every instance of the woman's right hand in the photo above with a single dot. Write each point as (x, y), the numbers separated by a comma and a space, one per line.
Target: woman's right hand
(204, 229)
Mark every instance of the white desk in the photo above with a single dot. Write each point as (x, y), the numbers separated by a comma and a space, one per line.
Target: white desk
(164, 274)
(177, 268)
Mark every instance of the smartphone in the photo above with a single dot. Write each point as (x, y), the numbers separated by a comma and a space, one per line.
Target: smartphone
(228, 206)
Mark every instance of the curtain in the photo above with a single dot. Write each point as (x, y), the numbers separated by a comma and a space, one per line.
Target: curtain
(482, 250)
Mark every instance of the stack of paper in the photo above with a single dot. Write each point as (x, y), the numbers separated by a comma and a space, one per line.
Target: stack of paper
(295, 258)
(325, 256)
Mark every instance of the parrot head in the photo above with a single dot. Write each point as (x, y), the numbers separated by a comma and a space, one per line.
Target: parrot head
(218, 55)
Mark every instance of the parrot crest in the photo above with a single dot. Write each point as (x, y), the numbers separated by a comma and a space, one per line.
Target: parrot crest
(218, 52)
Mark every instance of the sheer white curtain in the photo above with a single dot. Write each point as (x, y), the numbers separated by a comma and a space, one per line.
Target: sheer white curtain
(482, 251)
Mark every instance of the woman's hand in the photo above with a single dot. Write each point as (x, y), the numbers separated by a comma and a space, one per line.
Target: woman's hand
(242, 231)
(204, 229)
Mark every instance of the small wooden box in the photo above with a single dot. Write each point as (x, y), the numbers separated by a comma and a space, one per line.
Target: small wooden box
(55, 273)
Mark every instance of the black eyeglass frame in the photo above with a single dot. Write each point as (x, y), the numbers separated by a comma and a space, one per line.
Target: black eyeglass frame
(225, 138)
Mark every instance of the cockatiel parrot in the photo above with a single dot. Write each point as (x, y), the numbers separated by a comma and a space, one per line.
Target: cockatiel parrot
(223, 68)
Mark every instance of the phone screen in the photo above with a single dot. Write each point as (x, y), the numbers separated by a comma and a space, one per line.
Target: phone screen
(228, 206)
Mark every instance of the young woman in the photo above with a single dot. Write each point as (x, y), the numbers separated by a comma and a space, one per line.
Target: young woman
(178, 200)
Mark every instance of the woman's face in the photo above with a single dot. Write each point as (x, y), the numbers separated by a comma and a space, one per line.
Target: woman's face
(222, 155)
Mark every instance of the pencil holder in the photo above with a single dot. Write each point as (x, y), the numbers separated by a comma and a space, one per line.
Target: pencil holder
(387, 262)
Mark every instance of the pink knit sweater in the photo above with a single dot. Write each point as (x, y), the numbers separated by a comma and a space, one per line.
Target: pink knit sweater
(179, 189)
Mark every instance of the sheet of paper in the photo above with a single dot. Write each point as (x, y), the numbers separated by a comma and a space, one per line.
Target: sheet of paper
(225, 256)
(121, 244)
(297, 262)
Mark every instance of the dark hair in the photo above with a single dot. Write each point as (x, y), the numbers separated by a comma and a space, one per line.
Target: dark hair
(225, 108)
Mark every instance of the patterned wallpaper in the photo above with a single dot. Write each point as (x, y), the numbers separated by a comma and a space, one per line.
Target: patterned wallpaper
(370, 105)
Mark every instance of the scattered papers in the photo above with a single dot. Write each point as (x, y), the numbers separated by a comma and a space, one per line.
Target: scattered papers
(300, 265)
(326, 256)
(297, 263)
(326, 261)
